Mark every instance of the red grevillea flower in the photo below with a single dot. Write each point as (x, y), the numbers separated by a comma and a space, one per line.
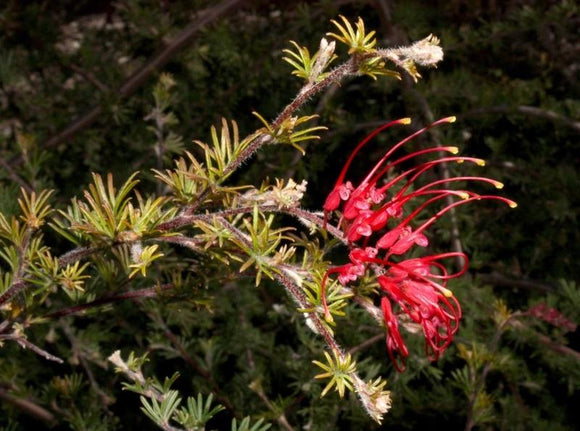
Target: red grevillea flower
(379, 229)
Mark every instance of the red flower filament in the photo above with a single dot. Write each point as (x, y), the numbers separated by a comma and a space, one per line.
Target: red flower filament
(414, 290)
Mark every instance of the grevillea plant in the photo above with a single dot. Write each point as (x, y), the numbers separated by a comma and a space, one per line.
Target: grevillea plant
(122, 237)
(379, 233)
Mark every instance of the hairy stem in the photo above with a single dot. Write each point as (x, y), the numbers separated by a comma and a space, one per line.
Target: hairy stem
(18, 283)
(24, 343)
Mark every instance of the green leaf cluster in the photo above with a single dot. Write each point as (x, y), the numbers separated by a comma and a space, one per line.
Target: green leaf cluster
(166, 261)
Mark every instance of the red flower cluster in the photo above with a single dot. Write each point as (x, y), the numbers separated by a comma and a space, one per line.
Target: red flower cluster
(373, 215)
(552, 316)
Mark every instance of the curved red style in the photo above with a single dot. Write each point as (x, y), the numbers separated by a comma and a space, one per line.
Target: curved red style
(374, 215)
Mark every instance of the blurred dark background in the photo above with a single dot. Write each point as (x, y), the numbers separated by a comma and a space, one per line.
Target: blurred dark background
(76, 82)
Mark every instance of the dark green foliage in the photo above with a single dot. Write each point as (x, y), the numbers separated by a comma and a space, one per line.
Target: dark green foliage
(207, 325)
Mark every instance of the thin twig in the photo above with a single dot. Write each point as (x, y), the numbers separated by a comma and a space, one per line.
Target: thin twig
(220, 396)
(301, 214)
(367, 343)
(106, 401)
(88, 76)
(14, 289)
(14, 176)
(317, 325)
(136, 376)
(24, 343)
(498, 279)
(479, 383)
(557, 347)
(281, 418)
(77, 254)
(347, 68)
(257, 388)
(133, 294)
(532, 111)
(294, 291)
(18, 283)
(28, 407)
(548, 342)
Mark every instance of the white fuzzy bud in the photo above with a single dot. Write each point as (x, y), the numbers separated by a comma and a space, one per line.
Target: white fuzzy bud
(425, 52)
(324, 56)
(282, 195)
(136, 251)
(311, 324)
(374, 399)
